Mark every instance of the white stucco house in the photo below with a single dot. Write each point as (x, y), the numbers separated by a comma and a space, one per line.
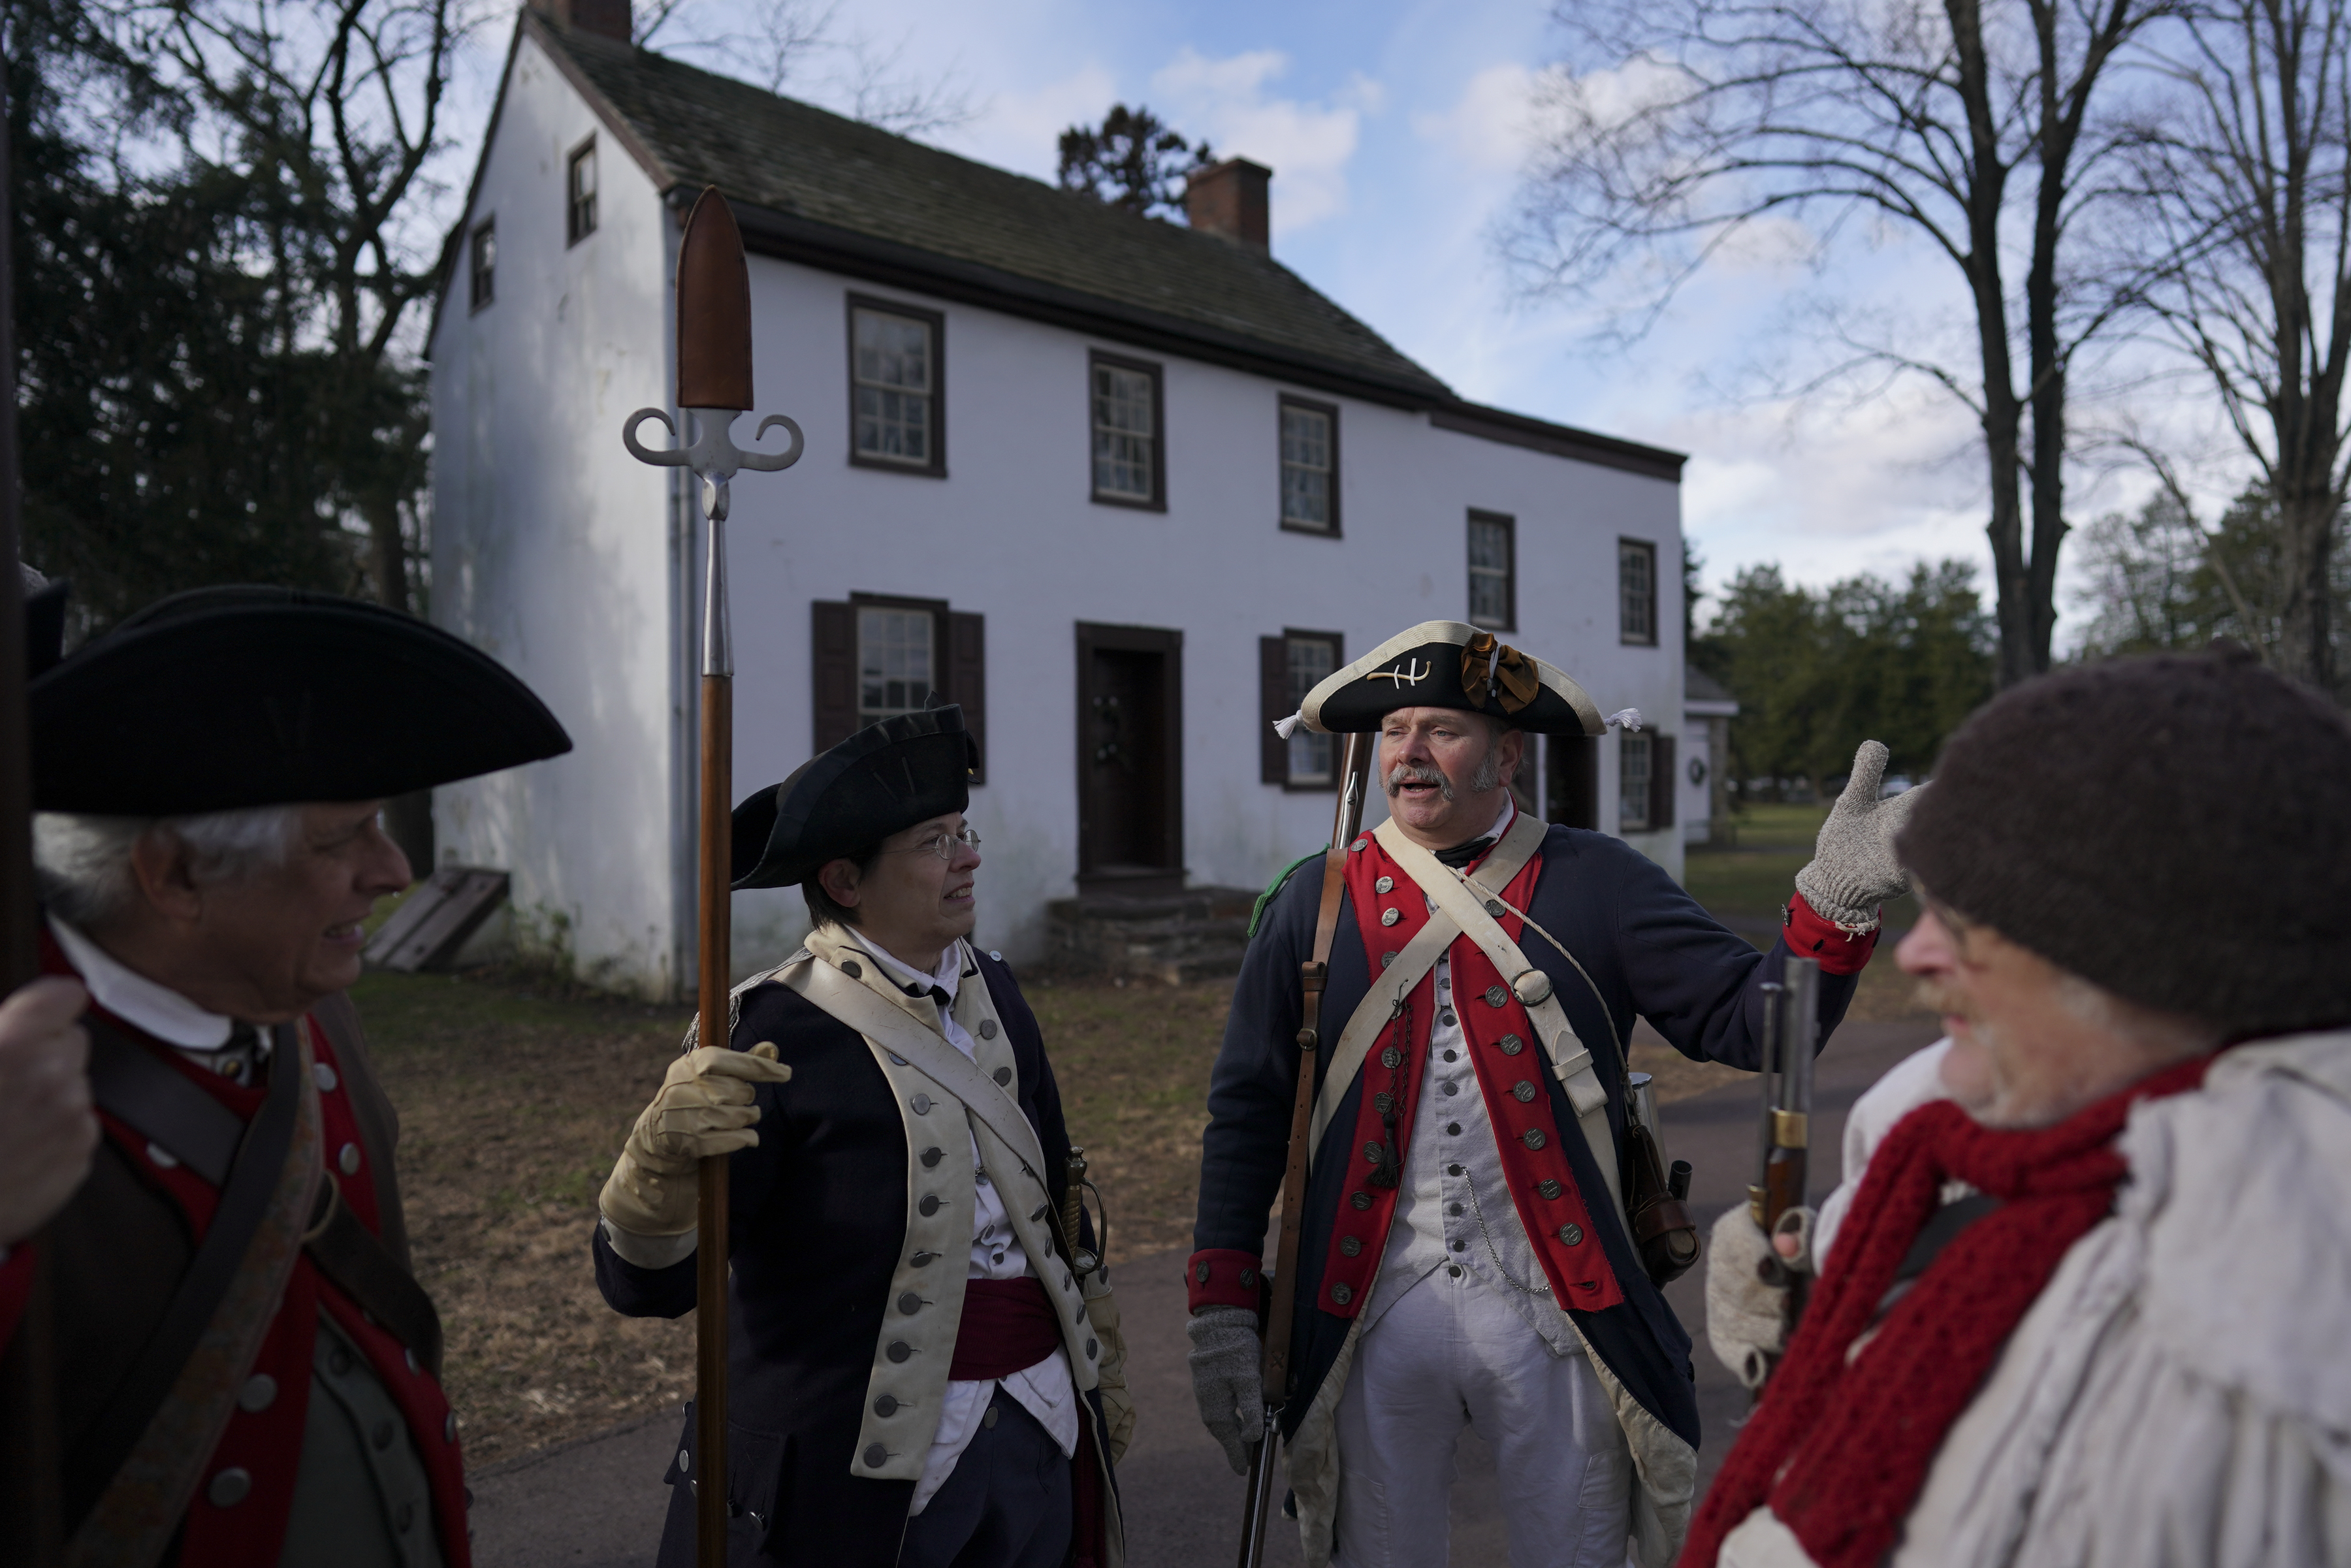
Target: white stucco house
(1120, 486)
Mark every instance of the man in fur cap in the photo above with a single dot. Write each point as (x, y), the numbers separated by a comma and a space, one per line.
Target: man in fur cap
(2084, 1280)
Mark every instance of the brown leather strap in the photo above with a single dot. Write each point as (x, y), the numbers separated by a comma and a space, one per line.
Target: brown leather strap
(353, 1257)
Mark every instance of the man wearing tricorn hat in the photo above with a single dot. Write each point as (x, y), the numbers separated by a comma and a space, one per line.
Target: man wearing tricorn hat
(919, 1372)
(2084, 1280)
(246, 1371)
(1466, 1254)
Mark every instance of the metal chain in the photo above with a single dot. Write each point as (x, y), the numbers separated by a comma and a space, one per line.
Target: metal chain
(1471, 1182)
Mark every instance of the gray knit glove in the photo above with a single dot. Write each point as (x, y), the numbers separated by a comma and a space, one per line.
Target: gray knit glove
(1226, 1352)
(1853, 869)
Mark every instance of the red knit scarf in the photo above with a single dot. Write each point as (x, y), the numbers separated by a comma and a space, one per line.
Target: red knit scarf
(1840, 1450)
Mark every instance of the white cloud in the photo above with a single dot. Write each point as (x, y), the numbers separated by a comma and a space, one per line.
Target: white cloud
(1491, 125)
(1307, 145)
(1022, 131)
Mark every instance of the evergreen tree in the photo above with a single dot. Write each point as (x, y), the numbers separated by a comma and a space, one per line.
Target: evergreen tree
(1131, 160)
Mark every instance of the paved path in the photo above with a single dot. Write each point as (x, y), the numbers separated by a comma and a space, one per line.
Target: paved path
(599, 1503)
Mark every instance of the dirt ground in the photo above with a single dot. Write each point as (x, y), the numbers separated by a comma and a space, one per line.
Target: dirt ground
(514, 1094)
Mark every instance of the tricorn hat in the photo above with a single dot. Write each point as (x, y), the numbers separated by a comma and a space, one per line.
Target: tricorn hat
(1449, 663)
(886, 778)
(226, 698)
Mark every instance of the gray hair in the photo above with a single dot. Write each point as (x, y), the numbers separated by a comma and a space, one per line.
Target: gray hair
(83, 863)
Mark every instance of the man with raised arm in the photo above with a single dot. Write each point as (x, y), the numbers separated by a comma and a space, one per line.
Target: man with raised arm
(2084, 1279)
(923, 1370)
(246, 1371)
(1466, 1257)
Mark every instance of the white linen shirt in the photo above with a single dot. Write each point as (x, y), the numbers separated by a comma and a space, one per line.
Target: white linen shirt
(139, 1001)
(1044, 1390)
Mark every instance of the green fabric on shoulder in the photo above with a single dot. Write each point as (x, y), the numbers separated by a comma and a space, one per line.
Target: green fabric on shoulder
(1257, 913)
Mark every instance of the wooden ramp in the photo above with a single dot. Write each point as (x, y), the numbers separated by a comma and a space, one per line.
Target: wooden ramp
(433, 922)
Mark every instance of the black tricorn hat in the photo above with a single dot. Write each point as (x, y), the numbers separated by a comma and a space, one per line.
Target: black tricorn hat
(1449, 663)
(887, 777)
(226, 698)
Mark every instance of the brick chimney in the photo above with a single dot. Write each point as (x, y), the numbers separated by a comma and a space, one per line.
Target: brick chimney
(608, 18)
(1229, 200)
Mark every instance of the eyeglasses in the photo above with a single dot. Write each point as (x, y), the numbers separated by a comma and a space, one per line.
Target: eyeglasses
(944, 844)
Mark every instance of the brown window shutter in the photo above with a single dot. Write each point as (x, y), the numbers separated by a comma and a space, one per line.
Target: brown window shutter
(833, 665)
(1661, 781)
(1272, 703)
(966, 675)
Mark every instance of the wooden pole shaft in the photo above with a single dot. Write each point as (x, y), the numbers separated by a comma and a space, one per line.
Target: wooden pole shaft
(715, 934)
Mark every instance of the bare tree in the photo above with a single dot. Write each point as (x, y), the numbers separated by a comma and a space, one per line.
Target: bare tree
(335, 108)
(869, 79)
(2251, 195)
(1677, 124)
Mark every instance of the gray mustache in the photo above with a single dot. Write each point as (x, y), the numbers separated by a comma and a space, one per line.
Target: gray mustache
(1405, 773)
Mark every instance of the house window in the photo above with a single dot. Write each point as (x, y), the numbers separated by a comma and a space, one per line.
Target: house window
(1290, 667)
(878, 655)
(1644, 783)
(484, 255)
(895, 382)
(1637, 591)
(1493, 571)
(1310, 467)
(580, 193)
(1633, 784)
(1124, 399)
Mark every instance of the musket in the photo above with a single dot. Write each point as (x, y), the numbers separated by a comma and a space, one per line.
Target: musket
(714, 387)
(31, 1506)
(1790, 1033)
(1273, 1369)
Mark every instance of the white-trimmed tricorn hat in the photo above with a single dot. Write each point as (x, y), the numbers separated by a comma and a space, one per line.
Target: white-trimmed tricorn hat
(1450, 663)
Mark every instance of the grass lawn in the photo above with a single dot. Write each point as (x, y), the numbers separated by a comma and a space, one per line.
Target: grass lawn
(514, 1094)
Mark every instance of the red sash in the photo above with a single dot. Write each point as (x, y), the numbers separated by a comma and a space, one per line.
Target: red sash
(1007, 1326)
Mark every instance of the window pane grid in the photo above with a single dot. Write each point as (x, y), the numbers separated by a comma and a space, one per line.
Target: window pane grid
(1636, 585)
(893, 662)
(1122, 425)
(582, 193)
(1490, 572)
(485, 265)
(1312, 660)
(893, 377)
(1305, 467)
(1633, 784)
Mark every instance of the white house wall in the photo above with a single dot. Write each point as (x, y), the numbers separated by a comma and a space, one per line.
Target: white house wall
(559, 553)
(551, 545)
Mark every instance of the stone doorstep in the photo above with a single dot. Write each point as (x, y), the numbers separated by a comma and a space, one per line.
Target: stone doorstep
(1199, 934)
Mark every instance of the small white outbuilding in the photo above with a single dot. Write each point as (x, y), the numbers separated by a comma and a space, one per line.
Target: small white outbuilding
(1120, 486)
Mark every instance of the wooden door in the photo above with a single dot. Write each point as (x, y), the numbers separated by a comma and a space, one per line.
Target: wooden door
(1129, 759)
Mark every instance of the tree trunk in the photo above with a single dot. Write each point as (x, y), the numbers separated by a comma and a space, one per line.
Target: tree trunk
(2307, 524)
(388, 553)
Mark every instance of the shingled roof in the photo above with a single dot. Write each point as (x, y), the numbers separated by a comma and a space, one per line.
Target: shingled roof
(802, 179)
(814, 187)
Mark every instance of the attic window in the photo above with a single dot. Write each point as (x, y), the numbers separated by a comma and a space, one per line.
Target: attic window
(1310, 467)
(895, 386)
(580, 193)
(484, 255)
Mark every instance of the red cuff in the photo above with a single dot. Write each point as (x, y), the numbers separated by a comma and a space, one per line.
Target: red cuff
(1812, 935)
(17, 1264)
(1221, 1277)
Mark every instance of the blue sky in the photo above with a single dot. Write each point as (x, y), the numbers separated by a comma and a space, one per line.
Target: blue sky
(1397, 133)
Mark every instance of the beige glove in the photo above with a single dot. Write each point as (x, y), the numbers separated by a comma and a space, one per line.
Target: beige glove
(704, 1108)
(1118, 1404)
(1853, 869)
(1746, 1313)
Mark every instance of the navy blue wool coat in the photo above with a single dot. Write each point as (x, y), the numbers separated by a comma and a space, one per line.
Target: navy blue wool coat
(1651, 950)
(817, 1224)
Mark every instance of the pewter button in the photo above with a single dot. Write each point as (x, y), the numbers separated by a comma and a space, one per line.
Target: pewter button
(164, 1159)
(910, 1304)
(1091, 1347)
(988, 1419)
(1249, 1276)
(449, 1428)
(1341, 1294)
(899, 1350)
(921, 1258)
(1533, 1138)
(1549, 1188)
(896, 1060)
(1387, 959)
(1453, 1129)
(1511, 1045)
(885, 1405)
(929, 1206)
(1389, 916)
(1040, 1212)
(1384, 884)
(1201, 1273)
(922, 1105)
(1392, 1058)
(1496, 995)
(324, 1076)
(1452, 1088)
(1462, 1247)
(1454, 1209)
(1357, 845)
(1570, 1233)
(876, 1456)
(414, 1365)
(849, 967)
(1349, 1246)
(260, 1391)
(988, 1029)
(933, 1156)
(1372, 1153)
(685, 1460)
(1003, 1074)
(347, 1157)
(229, 1487)
(1524, 1090)
(1445, 1018)
(1494, 907)
(1362, 1201)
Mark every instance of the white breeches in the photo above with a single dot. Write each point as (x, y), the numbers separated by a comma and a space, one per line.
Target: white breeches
(1451, 1353)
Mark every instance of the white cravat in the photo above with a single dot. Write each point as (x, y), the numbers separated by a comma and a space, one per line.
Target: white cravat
(1044, 1390)
(139, 1001)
